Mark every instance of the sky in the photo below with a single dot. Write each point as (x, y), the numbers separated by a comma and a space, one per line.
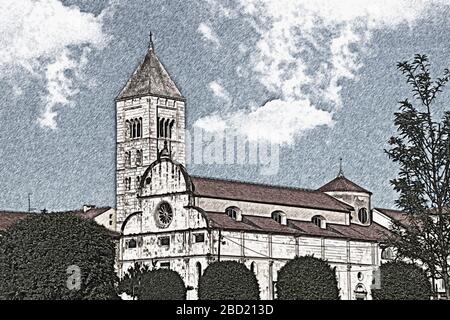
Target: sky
(316, 78)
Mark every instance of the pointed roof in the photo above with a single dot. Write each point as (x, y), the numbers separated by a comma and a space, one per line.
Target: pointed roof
(341, 183)
(150, 78)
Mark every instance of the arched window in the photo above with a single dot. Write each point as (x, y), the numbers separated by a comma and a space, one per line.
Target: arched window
(252, 267)
(279, 216)
(198, 266)
(128, 129)
(138, 157)
(128, 184)
(138, 181)
(161, 127)
(139, 127)
(233, 212)
(319, 221)
(360, 292)
(127, 158)
(363, 216)
(387, 254)
(171, 128)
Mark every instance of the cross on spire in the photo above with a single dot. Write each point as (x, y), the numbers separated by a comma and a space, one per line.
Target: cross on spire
(150, 44)
(341, 171)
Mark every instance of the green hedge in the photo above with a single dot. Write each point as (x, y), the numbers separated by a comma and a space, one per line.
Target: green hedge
(307, 278)
(145, 284)
(228, 280)
(36, 256)
(402, 281)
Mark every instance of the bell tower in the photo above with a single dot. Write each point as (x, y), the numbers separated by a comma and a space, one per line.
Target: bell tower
(150, 113)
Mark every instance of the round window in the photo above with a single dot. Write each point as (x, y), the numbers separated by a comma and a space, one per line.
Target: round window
(360, 276)
(362, 215)
(164, 215)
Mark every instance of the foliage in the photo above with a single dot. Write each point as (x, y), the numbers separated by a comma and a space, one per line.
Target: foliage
(307, 278)
(421, 149)
(144, 284)
(228, 280)
(132, 279)
(162, 284)
(37, 256)
(402, 281)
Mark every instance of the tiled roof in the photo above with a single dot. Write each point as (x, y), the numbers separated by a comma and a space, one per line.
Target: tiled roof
(8, 218)
(373, 232)
(92, 213)
(341, 183)
(150, 77)
(397, 215)
(252, 192)
(309, 228)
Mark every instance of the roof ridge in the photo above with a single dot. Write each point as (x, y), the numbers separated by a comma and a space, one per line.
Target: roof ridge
(258, 184)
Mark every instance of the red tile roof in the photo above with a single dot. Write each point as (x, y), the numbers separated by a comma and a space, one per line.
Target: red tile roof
(253, 192)
(397, 215)
(373, 232)
(8, 218)
(311, 229)
(341, 183)
(92, 213)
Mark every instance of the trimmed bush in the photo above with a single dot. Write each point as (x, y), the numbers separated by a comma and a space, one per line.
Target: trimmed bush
(228, 280)
(162, 284)
(402, 281)
(41, 257)
(307, 278)
(144, 284)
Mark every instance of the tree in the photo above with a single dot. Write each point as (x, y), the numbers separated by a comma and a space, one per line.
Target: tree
(307, 278)
(402, 281)
(228, 280)
(57, 257)
(421, 149)
(144, 284)
(131, 281)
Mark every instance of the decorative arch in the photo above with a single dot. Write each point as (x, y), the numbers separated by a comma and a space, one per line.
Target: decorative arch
(127, 219)
(182, 169)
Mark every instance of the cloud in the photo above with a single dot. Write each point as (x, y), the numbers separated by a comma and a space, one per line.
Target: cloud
(303, 52)
(208, 34)
(219, 91)
(52, 42)
(283, 119)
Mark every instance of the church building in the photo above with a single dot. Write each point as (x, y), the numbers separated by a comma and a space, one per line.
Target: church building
(171, 219)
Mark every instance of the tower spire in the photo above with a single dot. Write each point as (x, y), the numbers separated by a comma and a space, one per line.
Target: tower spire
(341, 171)
(150, 44)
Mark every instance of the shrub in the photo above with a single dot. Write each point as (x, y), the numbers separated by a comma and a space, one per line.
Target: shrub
(402, 281)
(228, 280)
(144, 284)
(307, 278)
(39, 254)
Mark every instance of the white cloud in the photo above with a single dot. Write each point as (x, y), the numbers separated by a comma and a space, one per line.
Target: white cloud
(283, 119)
(219, 91)
(304, 49)
(48, 39)
(208, 34)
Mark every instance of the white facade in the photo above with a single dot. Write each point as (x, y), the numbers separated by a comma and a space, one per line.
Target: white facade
(170, 219)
